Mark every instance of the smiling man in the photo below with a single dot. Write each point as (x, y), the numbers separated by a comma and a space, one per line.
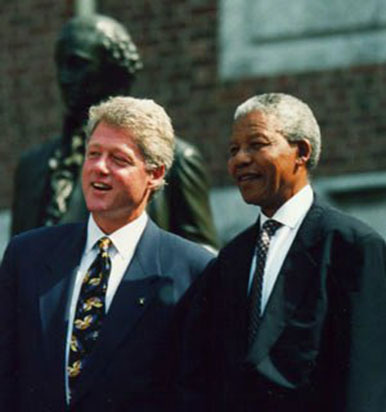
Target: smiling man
(96, 58)
(116, 182)
(291, 317)
(90, 313)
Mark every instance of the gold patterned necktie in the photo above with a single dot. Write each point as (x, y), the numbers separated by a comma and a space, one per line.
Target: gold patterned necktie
(90, 312)
(267, 231)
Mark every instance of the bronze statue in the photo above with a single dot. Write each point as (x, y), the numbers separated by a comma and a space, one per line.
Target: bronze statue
(96, 58)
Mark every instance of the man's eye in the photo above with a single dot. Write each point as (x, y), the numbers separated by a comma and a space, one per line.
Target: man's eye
(120, 160)
(92, 154)
(233, 150)
(256, 145)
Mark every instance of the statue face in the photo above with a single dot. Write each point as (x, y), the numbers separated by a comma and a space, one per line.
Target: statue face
(82, 77)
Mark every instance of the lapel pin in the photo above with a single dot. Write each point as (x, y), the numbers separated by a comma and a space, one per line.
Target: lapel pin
(141, 301)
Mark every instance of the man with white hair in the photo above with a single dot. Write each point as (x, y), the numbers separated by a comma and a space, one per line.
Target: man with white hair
(90, 312)
(292, 315)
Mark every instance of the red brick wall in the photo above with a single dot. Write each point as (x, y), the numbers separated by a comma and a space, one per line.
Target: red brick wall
(179, 45)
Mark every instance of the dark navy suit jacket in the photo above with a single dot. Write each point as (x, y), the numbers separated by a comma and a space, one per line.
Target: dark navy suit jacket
(321, 345)
(133, 365)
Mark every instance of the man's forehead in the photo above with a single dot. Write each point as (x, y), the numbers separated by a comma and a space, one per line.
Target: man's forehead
(254, 121)
(105, 127)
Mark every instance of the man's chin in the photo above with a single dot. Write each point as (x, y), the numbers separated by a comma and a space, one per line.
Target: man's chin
(250, 198)
(94, 208)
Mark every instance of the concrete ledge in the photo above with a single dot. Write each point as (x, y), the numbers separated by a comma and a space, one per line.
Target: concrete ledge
(5, 220)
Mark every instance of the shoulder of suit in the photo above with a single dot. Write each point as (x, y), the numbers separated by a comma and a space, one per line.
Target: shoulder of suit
(241, 241)
(46, 235)
(183, 247)
(333, 221)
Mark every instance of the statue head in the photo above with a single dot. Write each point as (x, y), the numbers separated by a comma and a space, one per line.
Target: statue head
(96, 58)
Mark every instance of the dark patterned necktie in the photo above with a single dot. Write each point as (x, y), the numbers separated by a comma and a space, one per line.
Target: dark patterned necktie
(267, 231)
(90, 312)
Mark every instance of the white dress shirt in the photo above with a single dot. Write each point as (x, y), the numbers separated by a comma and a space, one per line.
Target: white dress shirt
(124, 243)
(291, 216)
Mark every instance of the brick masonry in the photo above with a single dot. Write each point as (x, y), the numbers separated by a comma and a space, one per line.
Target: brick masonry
(179, 45)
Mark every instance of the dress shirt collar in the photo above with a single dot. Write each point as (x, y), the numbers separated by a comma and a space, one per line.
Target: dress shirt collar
(124, 239)
(293, 209)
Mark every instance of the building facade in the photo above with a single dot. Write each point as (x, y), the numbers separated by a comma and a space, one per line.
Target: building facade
(201, 59)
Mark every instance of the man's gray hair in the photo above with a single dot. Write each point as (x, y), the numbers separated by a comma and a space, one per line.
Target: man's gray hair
(295, 118)
(148, 122)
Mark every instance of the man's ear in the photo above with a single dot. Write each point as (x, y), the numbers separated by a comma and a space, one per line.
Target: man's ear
(304, 152)
(157, 175)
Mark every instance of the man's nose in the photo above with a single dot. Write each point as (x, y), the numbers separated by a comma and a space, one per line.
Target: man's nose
(243, 156)
(101, 165)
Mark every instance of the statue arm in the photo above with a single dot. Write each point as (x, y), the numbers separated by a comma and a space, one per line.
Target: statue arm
(190, 214)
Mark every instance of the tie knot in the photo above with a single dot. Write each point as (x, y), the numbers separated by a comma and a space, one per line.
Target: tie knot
(104, 243)
(270, 226)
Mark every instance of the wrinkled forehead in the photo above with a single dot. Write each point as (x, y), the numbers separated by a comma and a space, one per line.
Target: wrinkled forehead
(255, 121)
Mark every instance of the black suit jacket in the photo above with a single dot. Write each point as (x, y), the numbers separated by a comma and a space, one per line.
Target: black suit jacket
(321, 344)
(133, 365)
(182, 207)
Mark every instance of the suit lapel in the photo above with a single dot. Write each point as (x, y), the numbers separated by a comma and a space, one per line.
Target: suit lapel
(291, 284)
(133, 298)
(55, 289)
